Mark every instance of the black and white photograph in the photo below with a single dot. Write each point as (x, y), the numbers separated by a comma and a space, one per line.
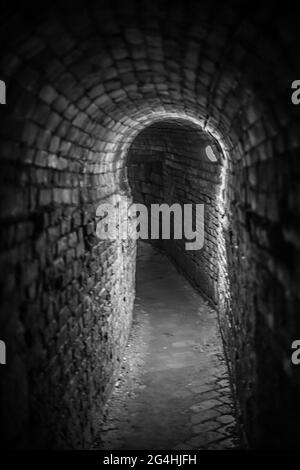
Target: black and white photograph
(150, 228)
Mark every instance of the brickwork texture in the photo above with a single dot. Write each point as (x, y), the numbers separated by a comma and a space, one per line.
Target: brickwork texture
(123, 97)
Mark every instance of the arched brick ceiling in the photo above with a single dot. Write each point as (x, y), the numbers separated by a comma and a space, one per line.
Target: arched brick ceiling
(83, 80)
(96, 75)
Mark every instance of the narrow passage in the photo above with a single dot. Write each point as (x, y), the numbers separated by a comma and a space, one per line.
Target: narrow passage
(173, 391)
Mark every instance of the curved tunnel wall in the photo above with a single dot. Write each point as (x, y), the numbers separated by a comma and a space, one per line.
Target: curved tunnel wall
(167, 163)
(82, 82)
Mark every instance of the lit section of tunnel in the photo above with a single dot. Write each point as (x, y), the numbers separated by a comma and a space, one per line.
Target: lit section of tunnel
(83, 85)
(168, 163)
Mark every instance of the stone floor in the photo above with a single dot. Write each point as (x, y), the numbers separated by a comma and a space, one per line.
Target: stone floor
(173, 391)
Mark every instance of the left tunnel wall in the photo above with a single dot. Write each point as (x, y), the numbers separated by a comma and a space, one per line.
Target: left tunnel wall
(66, 297)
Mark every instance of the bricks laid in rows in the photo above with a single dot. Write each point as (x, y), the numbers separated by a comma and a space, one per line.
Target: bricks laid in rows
(82, 83)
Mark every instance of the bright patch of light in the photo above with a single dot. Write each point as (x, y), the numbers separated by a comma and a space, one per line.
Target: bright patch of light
(210, 154)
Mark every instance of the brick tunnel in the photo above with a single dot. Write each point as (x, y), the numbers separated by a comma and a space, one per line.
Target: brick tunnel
(161, 102)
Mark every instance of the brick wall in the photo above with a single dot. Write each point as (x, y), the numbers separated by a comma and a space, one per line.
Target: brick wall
(167, 163)
(82, 82)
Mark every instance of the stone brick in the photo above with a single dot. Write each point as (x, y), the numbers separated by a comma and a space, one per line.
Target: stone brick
(90, 85)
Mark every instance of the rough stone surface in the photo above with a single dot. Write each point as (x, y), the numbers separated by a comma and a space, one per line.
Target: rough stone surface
(82, 81)
(167, 164)
(174, 381)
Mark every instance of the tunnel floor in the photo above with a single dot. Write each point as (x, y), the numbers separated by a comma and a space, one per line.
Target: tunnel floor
(173, 391)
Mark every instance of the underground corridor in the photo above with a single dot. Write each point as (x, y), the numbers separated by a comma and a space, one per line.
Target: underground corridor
(173, 391)
(149, 344)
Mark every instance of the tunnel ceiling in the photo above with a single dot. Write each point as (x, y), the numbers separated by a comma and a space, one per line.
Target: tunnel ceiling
(95, 74)
(84, 79)
(185, 132)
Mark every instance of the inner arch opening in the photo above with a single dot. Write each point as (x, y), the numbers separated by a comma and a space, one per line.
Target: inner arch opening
(175, 330)
(168, 164)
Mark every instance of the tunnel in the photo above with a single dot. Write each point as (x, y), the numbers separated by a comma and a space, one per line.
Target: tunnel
(175, 162)
(159, 102)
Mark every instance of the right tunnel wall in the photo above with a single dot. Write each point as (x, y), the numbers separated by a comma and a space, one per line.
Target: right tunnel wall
(247, 262)
(81, 80)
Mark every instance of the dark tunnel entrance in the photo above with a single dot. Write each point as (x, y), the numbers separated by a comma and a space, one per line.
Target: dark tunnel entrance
(175, 339)
(98, 93)
(176, 162)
